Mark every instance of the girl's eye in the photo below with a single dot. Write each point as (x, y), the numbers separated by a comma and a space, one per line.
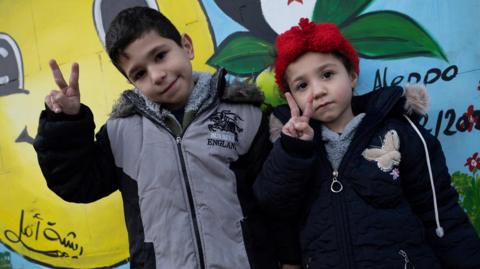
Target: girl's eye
(301, 86)
(328, 74)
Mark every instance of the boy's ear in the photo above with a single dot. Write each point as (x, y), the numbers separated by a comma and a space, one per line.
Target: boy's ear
(187, 45)
(353, 78)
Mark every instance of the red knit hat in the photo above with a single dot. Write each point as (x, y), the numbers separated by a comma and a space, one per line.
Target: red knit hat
(310, 36)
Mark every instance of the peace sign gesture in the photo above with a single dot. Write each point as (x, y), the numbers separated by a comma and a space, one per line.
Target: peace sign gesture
(67, 99)
(298, 126)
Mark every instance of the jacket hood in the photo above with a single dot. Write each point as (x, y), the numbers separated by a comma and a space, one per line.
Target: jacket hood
(411, 100)
(236, 92)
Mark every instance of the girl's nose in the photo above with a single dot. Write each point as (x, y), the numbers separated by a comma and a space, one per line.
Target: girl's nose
(319, 90)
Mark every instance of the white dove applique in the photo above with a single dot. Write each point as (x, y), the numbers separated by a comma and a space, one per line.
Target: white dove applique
(388, 155)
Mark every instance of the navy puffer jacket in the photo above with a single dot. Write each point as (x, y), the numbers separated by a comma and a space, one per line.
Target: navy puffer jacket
(384, 217)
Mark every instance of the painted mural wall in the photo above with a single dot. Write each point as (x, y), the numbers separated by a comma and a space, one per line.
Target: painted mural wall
(400, 42)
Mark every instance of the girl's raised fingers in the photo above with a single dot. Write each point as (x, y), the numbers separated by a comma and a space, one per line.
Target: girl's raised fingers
(301, 126)
(307, 113)
(294, 111)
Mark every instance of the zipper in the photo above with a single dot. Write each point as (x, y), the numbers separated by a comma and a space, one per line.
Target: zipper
(336, 186)
(178, 140)
(405, 257)
(342, 234)
(307, 264)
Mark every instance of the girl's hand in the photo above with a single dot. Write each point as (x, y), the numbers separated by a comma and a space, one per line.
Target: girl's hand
(298, 126)
(290, 266)
(67, 99)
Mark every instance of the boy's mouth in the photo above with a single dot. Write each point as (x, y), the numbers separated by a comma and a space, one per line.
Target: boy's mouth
(169, 86)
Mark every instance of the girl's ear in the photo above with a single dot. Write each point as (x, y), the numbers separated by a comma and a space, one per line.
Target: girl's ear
(187, 45)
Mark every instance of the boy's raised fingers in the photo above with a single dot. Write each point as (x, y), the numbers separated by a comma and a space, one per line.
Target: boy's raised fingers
(294, 111)
(57, 75)
(48, 102)
(51, 101)
(74, 76)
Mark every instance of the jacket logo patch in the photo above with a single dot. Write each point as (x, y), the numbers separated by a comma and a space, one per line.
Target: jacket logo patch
(388, 155)
(224, 129)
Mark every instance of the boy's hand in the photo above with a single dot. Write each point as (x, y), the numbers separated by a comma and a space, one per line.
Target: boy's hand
(298, 126)
(67, 99)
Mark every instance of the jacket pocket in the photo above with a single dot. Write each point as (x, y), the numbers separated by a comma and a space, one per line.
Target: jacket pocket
(382, 189)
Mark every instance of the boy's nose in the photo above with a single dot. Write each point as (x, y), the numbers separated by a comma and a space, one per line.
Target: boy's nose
(157, 75)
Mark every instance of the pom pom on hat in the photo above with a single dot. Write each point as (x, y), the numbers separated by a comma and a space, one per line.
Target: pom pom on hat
(310, 37)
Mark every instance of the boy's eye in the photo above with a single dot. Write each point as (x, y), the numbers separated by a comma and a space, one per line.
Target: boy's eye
(138, 75)
(159, 56)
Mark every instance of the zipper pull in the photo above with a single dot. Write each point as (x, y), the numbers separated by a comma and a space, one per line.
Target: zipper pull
(179, 140)
(405, 257)
(336, 185)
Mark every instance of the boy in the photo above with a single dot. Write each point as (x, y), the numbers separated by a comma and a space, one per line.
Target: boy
(352, 169)
(182, 148)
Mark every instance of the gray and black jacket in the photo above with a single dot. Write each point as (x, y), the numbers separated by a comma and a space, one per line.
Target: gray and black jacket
(186, 187)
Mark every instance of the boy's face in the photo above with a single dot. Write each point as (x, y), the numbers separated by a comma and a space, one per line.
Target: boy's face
(324, 77)
(160, 68)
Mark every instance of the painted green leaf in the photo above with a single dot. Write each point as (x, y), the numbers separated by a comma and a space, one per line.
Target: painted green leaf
(468, 188)
(243, 54)
(338, 12)
(390, 35)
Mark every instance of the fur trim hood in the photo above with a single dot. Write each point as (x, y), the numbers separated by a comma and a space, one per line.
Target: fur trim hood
(416, 99)
(235, 92)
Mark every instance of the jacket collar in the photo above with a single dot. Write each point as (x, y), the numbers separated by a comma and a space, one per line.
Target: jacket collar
(208, 90)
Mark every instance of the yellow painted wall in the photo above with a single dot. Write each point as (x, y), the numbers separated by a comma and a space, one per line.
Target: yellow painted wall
(65, 30)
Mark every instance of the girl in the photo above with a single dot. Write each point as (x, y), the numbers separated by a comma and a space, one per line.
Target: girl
(370, 187)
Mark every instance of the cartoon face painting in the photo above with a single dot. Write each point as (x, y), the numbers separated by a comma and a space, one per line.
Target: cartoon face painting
(38, 224)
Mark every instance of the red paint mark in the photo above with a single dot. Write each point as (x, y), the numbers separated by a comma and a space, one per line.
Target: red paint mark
(291, 1)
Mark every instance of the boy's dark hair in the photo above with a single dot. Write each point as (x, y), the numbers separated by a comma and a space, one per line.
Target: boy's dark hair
(131, 24)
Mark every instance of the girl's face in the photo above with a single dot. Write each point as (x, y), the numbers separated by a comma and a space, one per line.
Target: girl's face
(324, 77)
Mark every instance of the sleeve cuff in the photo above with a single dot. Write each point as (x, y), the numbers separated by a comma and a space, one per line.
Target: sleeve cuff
(52, 116)
(297, 146)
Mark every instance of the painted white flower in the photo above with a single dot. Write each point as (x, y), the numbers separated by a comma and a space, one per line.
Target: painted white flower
(281, 15)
